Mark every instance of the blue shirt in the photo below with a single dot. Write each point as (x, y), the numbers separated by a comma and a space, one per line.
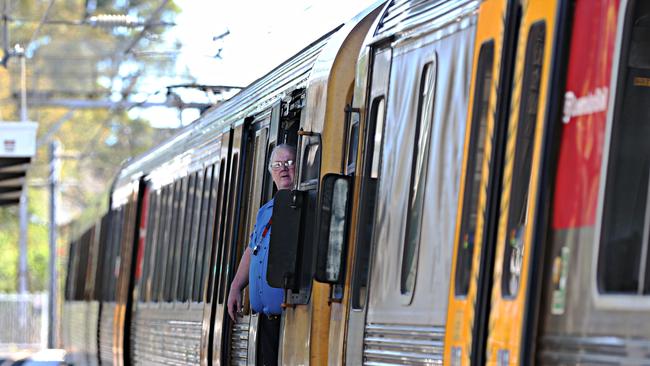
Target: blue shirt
(264, 298)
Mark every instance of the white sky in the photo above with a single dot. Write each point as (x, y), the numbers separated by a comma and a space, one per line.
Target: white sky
(262, 35)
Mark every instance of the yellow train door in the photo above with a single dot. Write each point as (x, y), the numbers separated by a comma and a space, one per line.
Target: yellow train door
(492, 272)
(478, 197)
(520, 193)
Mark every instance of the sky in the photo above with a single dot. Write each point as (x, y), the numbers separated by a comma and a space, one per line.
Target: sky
(261, 35)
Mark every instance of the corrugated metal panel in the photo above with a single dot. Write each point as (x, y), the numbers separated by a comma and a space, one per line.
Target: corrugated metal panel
(92, 317)
(404, 15)
(601, 350)
(257, 96)
(166, 336)
(397, 344)
(239, 342)
(106, 333)
(75, 323)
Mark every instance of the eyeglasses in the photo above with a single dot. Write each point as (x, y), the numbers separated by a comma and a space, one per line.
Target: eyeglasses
(279, 165)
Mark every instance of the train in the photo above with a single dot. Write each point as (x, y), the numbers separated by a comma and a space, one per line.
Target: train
(472, 188)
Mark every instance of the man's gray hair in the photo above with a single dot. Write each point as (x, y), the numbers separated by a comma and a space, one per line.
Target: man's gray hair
(286, 147)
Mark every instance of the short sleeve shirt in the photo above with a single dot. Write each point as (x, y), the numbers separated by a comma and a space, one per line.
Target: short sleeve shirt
(264, 298)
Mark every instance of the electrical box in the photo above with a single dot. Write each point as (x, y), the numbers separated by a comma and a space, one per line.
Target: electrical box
(17, 139)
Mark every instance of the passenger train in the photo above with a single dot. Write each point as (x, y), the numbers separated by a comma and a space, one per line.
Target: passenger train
(472, 188)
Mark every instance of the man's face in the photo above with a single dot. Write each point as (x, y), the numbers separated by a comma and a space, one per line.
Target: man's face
(283, 176)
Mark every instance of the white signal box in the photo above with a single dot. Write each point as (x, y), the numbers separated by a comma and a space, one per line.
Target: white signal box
(18, 139)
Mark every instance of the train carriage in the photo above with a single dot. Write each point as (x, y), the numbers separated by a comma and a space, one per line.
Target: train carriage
(181, 215)
(81, 307)
(472, 188)
(504, 289)
(594, 306)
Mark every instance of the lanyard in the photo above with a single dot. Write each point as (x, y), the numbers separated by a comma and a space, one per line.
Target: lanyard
(256, 248)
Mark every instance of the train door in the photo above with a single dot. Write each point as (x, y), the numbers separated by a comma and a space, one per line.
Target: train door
(522, 197)
(204, 288)
(211, 332)
(414, 218)
(596, 301)
(126, 245)
(478, 198)
(367, 200)
(243, 340)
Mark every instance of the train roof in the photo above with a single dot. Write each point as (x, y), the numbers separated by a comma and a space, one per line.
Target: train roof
(258, 96)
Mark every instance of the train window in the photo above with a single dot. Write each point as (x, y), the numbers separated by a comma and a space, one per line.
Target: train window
(108, 249)
(521, 171)
(195, 293)
(475, 154)
(418, 179)
(183, 234)
(353, 140)
(175, 220)
(168, 241)
(190, 261)
(216, 240)
(226, 230)
(160, 244)
(145, 279)
(369, 193)
(110, 270)
(69, 279)
(378, 114)
(623, 265)
(209, 230)
(100, 258)
(310, 160)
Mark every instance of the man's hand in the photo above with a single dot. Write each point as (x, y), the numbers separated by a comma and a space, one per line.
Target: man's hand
(234, 302)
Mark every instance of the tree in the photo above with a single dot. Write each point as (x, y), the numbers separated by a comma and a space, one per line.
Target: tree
(68, 58)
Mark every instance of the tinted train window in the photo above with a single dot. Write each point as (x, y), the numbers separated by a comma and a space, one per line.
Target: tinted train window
(475, 155)
(310, 160)
(524, 143)
(418, 179)
(160, 244)
(190, 263)
(231, 191)
(148, 242)
(114, 260)
(175, 236)
(353, 141)
(184, 245)
(203, 235)
(623, 256)
(167, 237)
(216, 239)
(369, 194)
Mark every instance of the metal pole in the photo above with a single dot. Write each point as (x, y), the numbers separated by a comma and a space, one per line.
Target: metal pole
(22, 242)
(55, 148)
(23, 84)
(23, 209)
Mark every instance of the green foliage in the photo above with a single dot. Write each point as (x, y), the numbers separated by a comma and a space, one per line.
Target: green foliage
(76, 62)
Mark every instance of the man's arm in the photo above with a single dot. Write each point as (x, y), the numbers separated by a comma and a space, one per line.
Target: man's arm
(238, 283)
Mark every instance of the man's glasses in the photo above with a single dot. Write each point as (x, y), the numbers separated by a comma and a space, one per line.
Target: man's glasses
(279, 165)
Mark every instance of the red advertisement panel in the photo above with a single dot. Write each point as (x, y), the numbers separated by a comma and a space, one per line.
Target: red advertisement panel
(584, 113)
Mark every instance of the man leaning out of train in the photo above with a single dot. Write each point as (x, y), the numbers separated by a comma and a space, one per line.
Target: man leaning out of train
(264, 299)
